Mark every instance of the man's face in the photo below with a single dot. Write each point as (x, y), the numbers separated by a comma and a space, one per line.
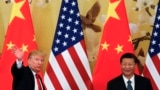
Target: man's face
(36, 63)
(128, 66)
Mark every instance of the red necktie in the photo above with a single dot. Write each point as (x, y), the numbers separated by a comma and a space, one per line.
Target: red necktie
(39, 82)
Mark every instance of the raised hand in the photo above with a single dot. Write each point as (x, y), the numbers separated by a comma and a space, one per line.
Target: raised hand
(18, 53)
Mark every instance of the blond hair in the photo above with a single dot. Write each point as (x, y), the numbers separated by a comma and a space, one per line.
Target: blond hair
(36, 52)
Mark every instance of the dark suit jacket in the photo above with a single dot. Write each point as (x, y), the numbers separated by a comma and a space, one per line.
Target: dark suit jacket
(23, 78)
(141, 83)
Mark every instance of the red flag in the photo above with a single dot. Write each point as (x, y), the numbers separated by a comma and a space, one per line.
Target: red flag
(20, 33)
(68, 67)
(152, 65)
(116, 40)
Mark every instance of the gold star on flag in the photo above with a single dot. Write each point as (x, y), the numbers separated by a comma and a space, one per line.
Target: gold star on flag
(10, 45)
(112, 10)
(16, 10)
(119, 48)
(130, 39)
(34, 38)
(105, 46)
(24, 48)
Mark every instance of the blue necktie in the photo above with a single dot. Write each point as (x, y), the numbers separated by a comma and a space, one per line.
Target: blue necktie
(129, 87)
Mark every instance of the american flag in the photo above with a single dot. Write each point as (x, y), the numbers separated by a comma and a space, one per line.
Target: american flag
(152, 67)
(68, 67)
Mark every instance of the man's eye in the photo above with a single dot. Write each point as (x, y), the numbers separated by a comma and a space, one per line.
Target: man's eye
(37, 59)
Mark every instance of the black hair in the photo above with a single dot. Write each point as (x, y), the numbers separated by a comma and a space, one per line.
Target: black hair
(129, 55)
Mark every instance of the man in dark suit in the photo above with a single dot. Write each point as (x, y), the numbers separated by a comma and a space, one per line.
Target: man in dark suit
(128, 80)
(24, 78)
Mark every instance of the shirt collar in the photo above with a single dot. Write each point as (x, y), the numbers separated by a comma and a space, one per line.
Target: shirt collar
(131, 79)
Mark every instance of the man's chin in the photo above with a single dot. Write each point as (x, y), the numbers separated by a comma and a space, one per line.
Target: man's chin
(127, 74)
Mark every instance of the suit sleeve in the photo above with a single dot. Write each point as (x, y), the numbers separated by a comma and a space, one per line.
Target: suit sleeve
(17, 75)
(149, 86)
(16, 72)
(109, 86)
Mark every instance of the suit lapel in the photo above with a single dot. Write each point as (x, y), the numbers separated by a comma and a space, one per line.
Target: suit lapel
(122, 83)
(30, 76)
(137, 82)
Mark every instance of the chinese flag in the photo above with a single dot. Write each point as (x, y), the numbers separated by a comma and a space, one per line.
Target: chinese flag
(20, 33)
(116, 40)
